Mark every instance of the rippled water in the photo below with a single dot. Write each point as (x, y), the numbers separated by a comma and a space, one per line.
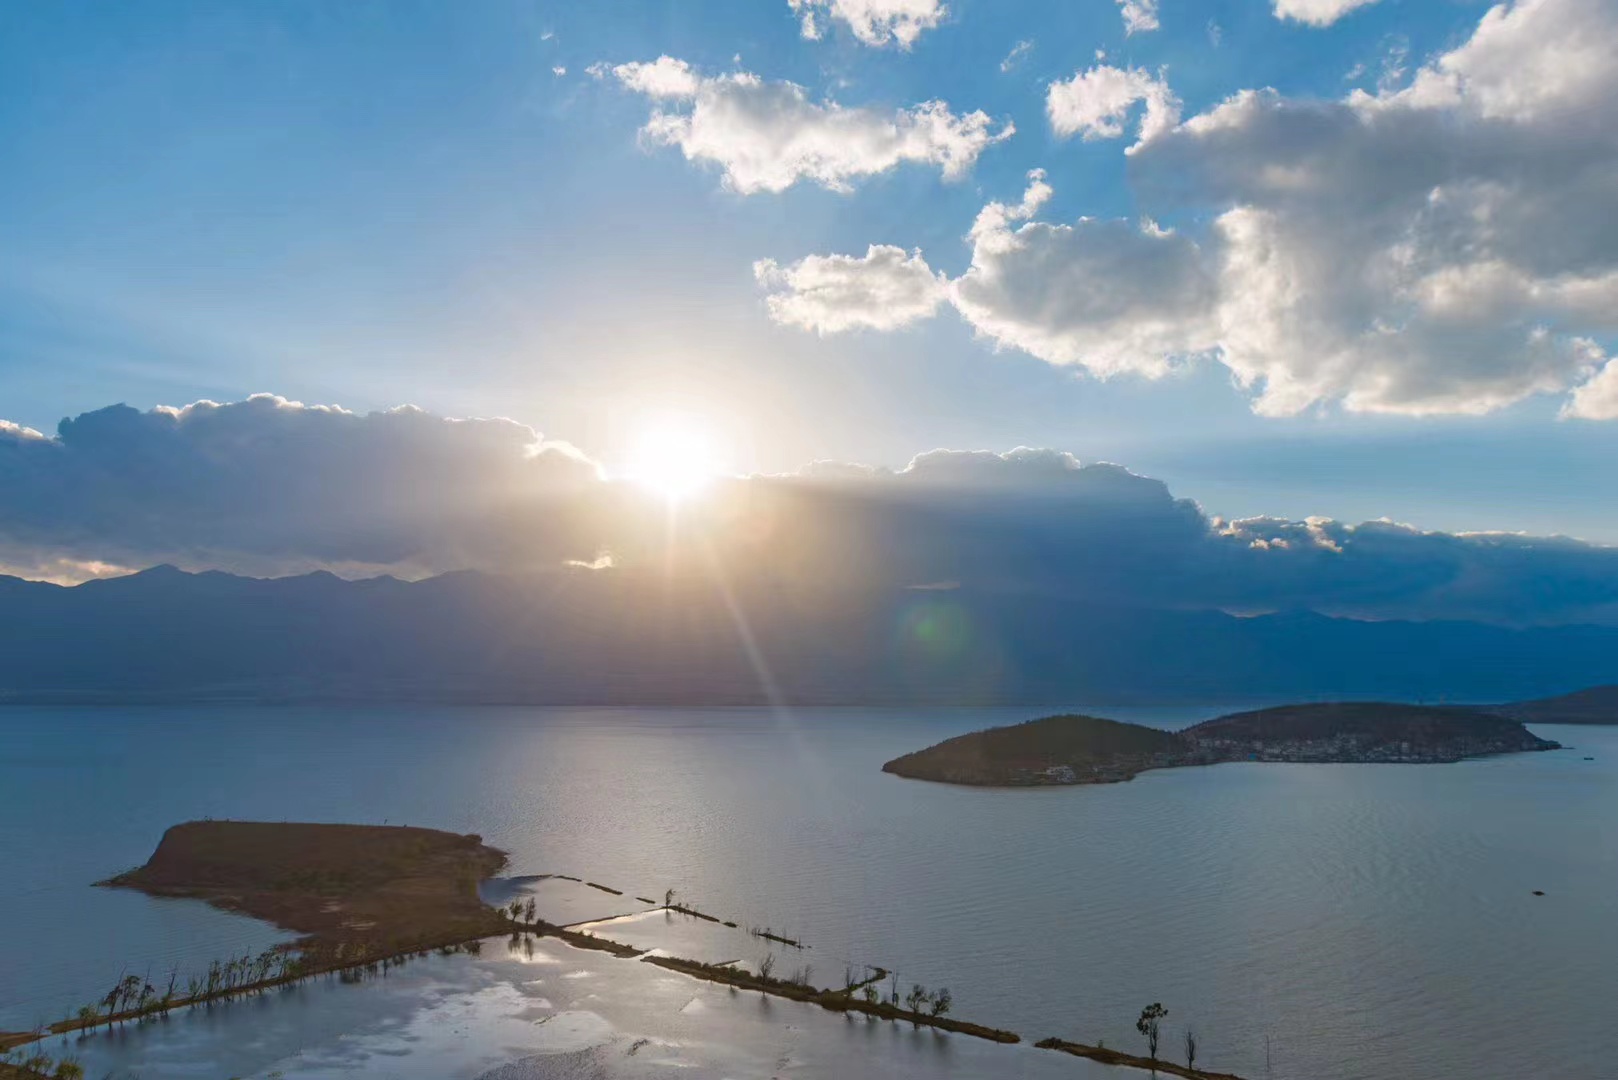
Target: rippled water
(1357, 921)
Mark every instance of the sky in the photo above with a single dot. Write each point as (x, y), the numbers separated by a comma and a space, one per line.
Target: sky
(1293, 258)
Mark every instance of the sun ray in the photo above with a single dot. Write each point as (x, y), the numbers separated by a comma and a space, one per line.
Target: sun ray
(674, 458)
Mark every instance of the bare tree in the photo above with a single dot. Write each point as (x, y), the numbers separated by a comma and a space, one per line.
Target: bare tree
(766, 966)
(941, 1001)
(913, 1001)
(1190, 1049)
(1148, 1023)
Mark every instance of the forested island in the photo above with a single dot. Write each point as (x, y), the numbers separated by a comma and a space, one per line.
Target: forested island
(1075, 749)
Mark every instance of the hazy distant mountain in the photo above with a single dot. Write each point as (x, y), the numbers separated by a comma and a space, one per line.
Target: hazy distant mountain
(1596, 705)
(614, 637)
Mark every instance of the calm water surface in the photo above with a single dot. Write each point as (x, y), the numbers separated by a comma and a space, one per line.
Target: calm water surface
(1310, 922)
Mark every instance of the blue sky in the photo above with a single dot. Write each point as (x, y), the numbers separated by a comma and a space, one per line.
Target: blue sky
(371, 204)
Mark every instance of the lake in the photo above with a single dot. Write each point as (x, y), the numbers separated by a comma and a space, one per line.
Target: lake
(1314, 922)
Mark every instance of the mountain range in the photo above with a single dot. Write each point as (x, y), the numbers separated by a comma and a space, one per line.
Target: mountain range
(587, 636)
(617, 638)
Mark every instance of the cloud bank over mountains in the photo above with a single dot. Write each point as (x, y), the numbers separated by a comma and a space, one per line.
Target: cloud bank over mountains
(1449, 247)
(267, 486)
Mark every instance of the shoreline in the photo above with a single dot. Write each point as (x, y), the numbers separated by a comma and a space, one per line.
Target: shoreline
(324, 950)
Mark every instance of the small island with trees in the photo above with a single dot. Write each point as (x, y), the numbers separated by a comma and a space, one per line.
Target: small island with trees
(1074, 749)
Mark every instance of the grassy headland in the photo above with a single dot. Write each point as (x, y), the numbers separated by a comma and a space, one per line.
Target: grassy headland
(385, 886)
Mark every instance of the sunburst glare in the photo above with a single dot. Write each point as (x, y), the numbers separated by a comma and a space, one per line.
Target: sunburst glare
(676, 458)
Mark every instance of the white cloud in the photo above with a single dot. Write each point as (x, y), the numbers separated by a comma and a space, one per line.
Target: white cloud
(1597, 397)
(558, 71)
(1317, 12)
(1109, 296)
(664, 77)
(1018, 53)
(767, 136)
(1451, 247)
(1096, 103)
(18, 432)
(884, 290)
(1528, 60)
(1447, 248)
(1139, 15)
(874, 22)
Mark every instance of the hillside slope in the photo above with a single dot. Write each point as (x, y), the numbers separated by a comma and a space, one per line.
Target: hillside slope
(1092, 750)
(1595, 705)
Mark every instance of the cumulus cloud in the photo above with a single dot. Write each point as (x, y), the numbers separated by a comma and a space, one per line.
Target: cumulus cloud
(270, 486)
(1111, 296)
(1448, 247)
(271, 483)
(1095, 104)
(874, 22)
(767, 136)
(885, 289)
(1317, 12)
(664, 77)
(1139, 15)
(1597, 398)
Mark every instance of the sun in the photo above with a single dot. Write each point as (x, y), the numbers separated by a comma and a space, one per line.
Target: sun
(676, 459)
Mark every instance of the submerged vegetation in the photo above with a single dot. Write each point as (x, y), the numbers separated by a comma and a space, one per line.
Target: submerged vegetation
(922, 1007)
(1105, 1056)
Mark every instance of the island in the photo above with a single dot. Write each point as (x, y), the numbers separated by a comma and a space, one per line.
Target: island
(1072, 749)
(381, 888)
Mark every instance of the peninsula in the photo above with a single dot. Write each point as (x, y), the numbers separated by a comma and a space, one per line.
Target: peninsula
(384, 886)
(1091, 750)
